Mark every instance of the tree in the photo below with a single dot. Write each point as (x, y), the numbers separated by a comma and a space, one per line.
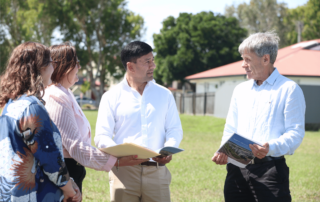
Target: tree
(294, 22)
(303, 22)
(99, 29)
(262, 16)
(194, 43)
(85, 87)
(21, 21)
(311, 28)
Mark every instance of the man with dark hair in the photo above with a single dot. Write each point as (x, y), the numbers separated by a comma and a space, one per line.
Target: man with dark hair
(133, 51)
(139, 111)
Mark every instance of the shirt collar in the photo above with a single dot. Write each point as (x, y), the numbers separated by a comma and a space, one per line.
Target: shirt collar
(126, 84)
(271, 79)
(61, 87)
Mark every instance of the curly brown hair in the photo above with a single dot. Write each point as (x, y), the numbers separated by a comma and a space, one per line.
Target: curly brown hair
(65, 57)
(22, 75)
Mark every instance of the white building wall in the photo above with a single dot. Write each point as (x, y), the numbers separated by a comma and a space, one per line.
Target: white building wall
(310, 81)
(223, 97)
(213, 84)
(205, 87)
(200, 88)
(224, 86)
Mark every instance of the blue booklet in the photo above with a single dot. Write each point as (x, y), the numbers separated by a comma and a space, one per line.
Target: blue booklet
(167, 151)
(238, 150)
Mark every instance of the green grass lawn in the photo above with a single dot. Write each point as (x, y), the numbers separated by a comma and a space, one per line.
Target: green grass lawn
(196, 178)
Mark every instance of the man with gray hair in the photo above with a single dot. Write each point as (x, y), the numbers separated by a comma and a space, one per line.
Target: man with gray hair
(269, 108)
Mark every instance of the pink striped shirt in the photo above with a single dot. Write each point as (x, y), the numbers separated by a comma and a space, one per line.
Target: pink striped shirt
(75, 129)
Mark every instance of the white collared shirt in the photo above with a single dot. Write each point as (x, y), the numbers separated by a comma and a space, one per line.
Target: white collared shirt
(150, 120)
(273, 112)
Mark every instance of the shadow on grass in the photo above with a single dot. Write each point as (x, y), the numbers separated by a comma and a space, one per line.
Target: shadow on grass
(89, 110)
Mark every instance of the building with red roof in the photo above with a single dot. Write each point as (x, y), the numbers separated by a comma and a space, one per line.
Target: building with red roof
(299, 62)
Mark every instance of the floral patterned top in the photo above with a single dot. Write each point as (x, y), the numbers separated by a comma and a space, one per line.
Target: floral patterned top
(32, 166)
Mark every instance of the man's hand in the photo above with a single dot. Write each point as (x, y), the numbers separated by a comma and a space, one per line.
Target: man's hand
(258, 151)
(162, 160)
(129, 161)
(220, 158)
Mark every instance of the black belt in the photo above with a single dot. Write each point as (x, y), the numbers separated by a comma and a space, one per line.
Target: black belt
(265, 159)
(150, 163)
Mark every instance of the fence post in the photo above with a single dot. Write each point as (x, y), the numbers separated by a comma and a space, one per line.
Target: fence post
(182, 103)
(213, 105)
(194, 103)
(205, 104)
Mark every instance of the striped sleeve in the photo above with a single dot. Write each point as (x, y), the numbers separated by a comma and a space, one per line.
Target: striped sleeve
(62, 115)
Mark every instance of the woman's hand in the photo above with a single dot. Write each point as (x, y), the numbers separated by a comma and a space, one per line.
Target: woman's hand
(78, 196)
(129, 161)
(71, 192)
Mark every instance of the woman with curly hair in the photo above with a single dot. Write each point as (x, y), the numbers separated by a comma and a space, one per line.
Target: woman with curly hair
(74, 127)
(32, 165)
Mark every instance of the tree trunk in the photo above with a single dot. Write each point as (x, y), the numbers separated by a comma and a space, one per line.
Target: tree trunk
(93, 84)
(102, 84)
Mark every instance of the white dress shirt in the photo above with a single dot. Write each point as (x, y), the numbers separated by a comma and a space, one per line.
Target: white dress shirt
(150, 120)
(273, 112)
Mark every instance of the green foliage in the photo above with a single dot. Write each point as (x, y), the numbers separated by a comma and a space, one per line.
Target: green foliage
(266, 15)
(311, 28)
(98, 29)
(261, 16)
(88, 106)
(85, 87)
(5, 50)
(292, 20)
(21, 21)
(308, 16)
(196, 178)
(194, 43)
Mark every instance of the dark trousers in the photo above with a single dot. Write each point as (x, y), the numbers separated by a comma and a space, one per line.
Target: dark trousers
(265, 182)
(76, 171)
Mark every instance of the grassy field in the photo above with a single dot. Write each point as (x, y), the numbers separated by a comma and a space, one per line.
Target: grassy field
(196, 178)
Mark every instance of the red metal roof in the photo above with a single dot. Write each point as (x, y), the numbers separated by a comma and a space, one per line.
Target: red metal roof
(293, 60)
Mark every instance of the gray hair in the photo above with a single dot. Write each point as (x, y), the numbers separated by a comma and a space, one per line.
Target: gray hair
(262, 44)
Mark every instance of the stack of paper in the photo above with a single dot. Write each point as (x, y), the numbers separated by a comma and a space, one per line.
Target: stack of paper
(128, 149)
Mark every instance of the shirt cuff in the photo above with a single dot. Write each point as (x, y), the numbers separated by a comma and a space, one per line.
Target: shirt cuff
(271, 148)
(62, 184)
(171, 143)
(110, 163)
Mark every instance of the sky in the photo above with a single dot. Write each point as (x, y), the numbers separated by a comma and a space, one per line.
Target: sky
(155, 11)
